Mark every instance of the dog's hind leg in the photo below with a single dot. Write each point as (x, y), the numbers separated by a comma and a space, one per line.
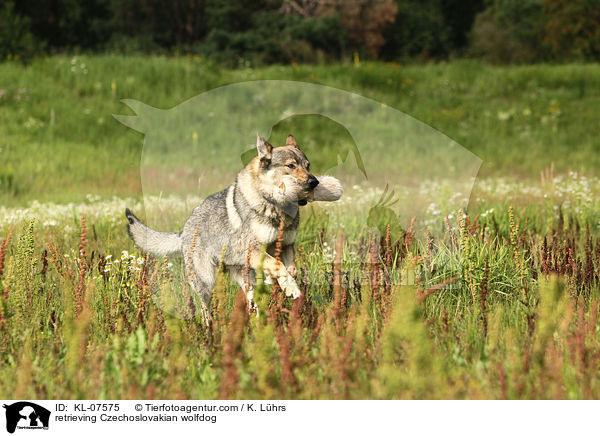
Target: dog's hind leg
(201, 275)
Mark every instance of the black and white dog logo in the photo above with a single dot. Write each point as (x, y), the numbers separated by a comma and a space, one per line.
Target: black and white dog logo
(26, 415)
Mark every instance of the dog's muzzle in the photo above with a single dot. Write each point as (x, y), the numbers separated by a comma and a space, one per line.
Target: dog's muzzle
(312, 182)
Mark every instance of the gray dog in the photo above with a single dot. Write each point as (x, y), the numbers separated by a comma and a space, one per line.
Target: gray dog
(237, 222)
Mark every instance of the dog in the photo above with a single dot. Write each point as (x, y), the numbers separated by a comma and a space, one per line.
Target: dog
(232, 226)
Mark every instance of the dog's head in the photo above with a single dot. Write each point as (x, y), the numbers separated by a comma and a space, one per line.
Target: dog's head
(284, 172)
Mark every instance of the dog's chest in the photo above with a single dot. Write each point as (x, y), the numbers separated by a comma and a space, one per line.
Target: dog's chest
(267, 234)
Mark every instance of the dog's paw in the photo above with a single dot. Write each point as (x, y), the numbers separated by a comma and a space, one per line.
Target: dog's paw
(289, 286)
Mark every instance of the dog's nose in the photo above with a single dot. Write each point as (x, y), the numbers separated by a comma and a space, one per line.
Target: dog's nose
(313, 182)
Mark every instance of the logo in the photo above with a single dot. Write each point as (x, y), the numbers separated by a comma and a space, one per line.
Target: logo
(394, 169)
(26, 415)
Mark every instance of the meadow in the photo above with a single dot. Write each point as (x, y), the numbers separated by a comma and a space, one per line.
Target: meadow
(498, 300)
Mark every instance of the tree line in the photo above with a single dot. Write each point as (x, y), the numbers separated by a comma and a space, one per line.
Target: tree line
(284, 31)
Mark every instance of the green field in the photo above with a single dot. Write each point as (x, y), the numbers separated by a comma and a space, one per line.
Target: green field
(55, 114)
(496, 301)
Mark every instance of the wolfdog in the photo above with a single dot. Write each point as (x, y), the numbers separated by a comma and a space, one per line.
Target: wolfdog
(233, 225)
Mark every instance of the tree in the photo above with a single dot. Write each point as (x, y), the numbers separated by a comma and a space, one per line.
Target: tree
(509, 31)
(15, 35)
(364, 20)
(572, 28)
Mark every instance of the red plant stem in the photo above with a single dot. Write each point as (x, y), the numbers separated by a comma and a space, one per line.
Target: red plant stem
(3, 248)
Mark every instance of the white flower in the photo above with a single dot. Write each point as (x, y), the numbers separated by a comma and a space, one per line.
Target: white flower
(503, 116)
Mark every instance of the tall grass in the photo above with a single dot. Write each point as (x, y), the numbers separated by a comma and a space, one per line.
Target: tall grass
(497, 301)
(495, 311)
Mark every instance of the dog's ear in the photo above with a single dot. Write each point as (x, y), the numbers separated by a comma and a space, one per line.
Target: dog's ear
(291, 141)
(264, 149)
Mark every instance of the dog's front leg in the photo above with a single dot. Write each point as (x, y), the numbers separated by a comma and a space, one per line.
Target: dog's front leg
(277, 270)
(287, 257)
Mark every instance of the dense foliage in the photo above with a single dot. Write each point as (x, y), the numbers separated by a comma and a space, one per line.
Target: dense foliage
(283, 31)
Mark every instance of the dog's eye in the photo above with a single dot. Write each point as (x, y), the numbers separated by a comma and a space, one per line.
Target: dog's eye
(291, 166)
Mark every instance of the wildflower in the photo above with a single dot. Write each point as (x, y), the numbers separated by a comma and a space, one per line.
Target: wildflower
(108, 257)
(503, 116)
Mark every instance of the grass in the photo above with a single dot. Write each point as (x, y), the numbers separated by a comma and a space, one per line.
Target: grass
(59, 141)
(496, 301)
(488, 307)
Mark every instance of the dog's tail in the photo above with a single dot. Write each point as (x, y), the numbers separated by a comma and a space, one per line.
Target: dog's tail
(151, 241)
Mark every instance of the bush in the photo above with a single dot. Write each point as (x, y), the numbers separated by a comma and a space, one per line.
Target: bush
(72, 24)
(16, 39)
(430, 28)
(419, 30)
(571, 29)
(149, 25)
(128, 45)
(508, 31)
(275, 37)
